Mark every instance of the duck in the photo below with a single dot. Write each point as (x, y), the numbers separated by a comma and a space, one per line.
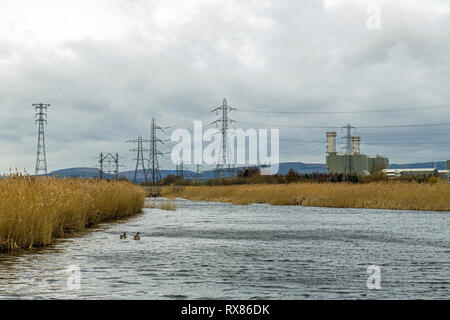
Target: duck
(137, 236)
(123, 236)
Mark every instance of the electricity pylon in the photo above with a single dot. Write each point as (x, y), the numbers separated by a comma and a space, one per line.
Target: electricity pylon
(180, 170)
(41, 119)
(139, 156)
(105, 160)
(348, 150)
(224, 159)
(154, 153)
(197, 174)
(348, 138)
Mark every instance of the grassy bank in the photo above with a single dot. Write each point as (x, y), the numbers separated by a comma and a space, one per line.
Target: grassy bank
(380, 195)
(34, 211)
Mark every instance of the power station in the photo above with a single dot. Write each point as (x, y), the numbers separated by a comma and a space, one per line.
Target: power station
(351, 162)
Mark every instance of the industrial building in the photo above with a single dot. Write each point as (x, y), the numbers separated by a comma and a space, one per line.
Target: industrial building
(423, 172)
(351, 162)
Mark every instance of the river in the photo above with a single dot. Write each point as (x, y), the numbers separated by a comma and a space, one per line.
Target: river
(210, 250)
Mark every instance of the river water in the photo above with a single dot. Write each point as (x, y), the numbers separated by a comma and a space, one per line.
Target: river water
(221, 251)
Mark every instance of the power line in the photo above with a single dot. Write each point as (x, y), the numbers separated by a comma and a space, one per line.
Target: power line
(407, 143)
(306, 147)
(359, 127)
(405, 134)
(302, 141)
(435, 107)
(409, 91)
(307, 142)
(198, 116)
(407, 125)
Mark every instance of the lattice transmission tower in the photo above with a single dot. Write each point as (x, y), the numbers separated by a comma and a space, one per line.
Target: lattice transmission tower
(348, 150)
(140, 160)
(348, 138)
(179, 170)
(109, 164)
(197, 173)
(41, 120)
(154, 153)
(225, 161)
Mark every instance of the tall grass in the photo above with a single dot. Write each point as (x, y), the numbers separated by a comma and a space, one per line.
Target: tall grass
(380, 195)
(33, 211)
(168, 205)
(163, 205)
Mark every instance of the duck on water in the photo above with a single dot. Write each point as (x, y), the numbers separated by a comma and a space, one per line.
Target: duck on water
(137, 236)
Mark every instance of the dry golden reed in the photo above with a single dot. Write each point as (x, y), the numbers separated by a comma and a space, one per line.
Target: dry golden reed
(163, 205)
(380, 195)
(168, 205)
(150, 204)
(33, 210)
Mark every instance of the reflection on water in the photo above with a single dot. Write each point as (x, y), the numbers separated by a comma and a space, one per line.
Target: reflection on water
(222, 251)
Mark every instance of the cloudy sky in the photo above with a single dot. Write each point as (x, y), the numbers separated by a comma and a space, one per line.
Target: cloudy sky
(107, 66)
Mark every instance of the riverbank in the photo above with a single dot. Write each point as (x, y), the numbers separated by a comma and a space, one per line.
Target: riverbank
(380, 195)
(35, 211)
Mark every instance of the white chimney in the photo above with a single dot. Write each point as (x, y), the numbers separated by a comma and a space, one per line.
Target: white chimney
(356, 144)
(331, 140)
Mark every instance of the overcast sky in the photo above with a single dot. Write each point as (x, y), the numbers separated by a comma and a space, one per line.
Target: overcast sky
(107, 66)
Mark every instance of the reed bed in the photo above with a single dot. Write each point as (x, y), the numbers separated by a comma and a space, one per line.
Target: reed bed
(150, 204)
(34, 211)
(163, 205)
(379, 195)
(168, 205)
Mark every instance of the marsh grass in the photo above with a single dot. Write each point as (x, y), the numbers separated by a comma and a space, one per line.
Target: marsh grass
(35, 210)
(379, 195)
(150, 204)
(168, 205)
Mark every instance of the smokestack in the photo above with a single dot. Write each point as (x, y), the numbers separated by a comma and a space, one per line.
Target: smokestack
(331, 140)
(356, 144)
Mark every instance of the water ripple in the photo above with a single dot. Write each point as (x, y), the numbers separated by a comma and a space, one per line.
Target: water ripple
(222, 251)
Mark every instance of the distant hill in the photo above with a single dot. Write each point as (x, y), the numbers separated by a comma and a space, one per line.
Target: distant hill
(76, 172)
(95, 173)
(140, 177)
(300, 167)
